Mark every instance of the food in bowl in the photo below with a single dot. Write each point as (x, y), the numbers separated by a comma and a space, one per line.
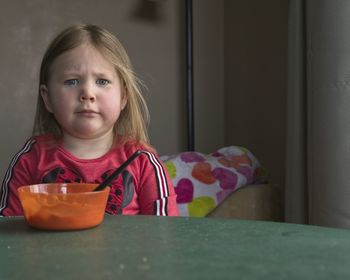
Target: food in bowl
(61, 206)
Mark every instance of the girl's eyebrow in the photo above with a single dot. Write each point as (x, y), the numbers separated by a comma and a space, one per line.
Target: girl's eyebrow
(104, 74)
(95, 74)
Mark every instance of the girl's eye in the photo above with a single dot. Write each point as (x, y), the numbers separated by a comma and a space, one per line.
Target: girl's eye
(71, 82)
(102, 82)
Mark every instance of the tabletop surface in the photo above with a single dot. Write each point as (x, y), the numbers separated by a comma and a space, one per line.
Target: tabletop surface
(147, 247)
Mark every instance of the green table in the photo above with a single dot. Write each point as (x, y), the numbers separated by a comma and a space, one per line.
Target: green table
(146, 247)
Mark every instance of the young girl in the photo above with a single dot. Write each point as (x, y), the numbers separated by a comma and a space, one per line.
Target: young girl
(90, 118)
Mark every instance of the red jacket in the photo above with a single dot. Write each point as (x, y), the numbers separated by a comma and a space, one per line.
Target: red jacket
(143, 188)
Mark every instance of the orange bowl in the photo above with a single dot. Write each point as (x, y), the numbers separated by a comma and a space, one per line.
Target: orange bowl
(58, 206)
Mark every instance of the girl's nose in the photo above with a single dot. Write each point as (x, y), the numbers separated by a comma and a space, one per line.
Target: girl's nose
(87, 94)
(87, 98)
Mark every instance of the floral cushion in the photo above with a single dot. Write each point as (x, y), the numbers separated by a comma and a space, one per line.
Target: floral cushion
(202, 181)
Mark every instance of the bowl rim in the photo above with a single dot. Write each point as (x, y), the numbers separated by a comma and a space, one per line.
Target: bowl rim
(22, 188)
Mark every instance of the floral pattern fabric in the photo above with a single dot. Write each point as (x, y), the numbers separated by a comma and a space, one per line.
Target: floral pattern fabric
(203, 181)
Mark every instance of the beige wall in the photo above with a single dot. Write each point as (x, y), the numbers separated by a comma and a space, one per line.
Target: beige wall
(209, 94)
(255, 80)
(240, 63)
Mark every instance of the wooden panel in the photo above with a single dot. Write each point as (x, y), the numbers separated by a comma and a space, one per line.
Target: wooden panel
(253, 202)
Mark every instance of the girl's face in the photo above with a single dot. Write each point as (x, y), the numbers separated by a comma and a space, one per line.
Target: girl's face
(84, 93)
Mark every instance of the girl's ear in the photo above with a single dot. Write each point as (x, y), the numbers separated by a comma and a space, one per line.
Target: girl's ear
(45, 96)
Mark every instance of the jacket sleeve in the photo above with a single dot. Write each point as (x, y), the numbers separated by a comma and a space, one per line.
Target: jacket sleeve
(157, 195)
(18, 174)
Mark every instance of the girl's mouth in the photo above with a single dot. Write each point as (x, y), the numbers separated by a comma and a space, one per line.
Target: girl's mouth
(87, 113)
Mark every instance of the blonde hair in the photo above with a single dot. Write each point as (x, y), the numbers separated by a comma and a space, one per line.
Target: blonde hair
(134, 118)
